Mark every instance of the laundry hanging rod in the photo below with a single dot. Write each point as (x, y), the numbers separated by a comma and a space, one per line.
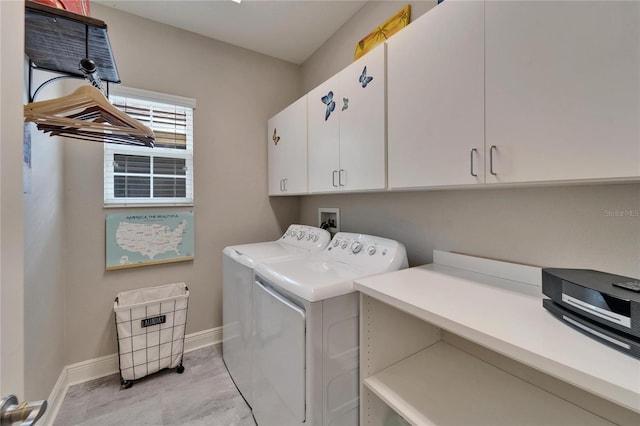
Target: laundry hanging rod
(87, 66)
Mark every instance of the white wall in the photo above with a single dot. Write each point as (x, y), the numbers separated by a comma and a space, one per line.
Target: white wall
(11, 221)
(236, 92)
(572, 226)
(566, 227)
(31, 232)
(44, 286)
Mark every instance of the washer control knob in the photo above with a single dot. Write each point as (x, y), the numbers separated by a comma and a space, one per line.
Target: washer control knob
(336, 242)
(309, 237)
(344, 244)
(300, 235)
(371, 250)
(315, 238)
(356, 246)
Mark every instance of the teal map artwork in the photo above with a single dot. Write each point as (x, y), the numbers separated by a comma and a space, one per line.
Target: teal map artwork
(139, 239)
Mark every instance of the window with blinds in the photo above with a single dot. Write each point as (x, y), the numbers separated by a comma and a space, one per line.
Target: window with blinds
(163, 175)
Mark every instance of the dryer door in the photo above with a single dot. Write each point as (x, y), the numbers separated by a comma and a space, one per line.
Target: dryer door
(279, 359)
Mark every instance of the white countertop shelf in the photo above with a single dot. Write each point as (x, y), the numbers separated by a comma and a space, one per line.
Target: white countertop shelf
(443, 385)
(507, 317)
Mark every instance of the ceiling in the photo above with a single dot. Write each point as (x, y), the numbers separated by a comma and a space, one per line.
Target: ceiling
(289, 30)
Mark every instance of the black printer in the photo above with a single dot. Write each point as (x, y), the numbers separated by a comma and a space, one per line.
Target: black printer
(604, 306)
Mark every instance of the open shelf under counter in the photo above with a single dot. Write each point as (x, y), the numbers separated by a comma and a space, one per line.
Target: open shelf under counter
(409, 317)
(441, 385)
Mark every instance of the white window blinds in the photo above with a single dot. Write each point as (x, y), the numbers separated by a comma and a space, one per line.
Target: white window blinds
(162, 175)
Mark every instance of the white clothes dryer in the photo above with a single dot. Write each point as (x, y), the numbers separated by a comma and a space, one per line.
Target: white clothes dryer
(306, 331)
(237, 280)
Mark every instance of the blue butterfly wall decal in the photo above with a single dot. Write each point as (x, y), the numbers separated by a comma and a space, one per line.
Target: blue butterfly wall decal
(364, 79)
(330, 103)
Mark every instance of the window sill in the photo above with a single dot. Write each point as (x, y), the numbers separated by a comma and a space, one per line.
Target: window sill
(141, 205)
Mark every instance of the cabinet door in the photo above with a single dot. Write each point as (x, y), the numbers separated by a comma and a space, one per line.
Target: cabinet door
(562, 90)
(436, 98)
(362, 123)
(287, 141)
(324, 137)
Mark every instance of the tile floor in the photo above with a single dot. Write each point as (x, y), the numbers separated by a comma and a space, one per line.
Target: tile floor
(204, 395)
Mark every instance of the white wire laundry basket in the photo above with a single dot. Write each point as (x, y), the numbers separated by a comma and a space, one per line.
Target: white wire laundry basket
(150, 324)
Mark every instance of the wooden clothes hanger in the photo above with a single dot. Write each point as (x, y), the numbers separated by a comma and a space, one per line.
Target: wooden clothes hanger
(86, 114)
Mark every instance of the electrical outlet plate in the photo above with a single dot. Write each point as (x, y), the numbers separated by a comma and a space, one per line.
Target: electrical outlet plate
(330, 216)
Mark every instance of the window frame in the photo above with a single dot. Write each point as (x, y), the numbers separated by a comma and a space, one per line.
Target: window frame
(110, 200)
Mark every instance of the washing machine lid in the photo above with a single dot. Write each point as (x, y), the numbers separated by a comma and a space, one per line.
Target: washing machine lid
(251, 254)
(298, 240)
(311, 278)
(330, 273)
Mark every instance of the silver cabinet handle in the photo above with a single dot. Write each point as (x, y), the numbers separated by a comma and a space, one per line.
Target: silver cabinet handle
(334, 178)
(284, 184)
(473, 151)
(340, 173)
(493, 147)
(281, 185)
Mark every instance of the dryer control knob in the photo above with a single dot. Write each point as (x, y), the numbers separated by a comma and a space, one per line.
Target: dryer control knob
(371, 250)
(300, 235)
(356, 246)
(315, 238)
(309, 237)
(336, 242)
(344, 244)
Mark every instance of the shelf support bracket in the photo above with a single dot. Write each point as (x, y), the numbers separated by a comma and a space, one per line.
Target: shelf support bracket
(33, 94)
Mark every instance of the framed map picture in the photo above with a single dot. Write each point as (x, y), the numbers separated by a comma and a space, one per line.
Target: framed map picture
(141, 239)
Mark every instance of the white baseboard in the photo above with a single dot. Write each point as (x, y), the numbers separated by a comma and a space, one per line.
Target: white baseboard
(201, 339)
(55, 399)
(84, 371)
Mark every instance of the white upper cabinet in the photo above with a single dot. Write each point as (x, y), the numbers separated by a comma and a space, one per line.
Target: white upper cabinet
(347, 133)
(476, 92)
(323, 118)
(362, 122)
(436, 98)
(287, 141)
(562, 90)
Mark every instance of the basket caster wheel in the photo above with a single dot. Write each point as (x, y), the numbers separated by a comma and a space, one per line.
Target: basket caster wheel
(180, 369)
(126, 384)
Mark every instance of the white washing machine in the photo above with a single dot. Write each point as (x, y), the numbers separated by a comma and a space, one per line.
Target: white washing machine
(306, 331)
(237, 281)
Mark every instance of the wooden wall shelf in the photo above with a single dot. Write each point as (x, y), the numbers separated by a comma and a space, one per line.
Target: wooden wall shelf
(56, 40)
